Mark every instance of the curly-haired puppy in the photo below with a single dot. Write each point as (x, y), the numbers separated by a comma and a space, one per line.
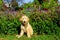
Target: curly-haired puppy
(25, 27)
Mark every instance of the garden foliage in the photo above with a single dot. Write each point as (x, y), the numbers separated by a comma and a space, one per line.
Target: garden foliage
(42, 23)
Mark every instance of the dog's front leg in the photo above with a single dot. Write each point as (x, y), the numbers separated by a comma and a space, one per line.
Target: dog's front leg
(28, 34)
(21, 34)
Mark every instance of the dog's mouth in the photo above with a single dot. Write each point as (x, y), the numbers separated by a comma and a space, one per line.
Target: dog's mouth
(24, 22)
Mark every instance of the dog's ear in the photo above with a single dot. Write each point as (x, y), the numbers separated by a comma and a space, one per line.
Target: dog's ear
(20, 19)
(28, 19)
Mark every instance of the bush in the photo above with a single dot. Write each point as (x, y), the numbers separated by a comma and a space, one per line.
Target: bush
(44, 23)
(8, 24)
(49, 4)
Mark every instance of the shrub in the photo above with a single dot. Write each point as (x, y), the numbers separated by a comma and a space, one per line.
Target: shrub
(44, 23)
(8, 24)
(49, 4)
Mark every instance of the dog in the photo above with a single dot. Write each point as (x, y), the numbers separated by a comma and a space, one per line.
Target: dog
(25, 27)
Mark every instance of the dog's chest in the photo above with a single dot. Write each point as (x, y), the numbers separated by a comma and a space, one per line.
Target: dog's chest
(25, 28)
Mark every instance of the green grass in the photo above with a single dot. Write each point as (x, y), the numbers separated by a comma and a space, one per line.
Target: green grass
(35, 37)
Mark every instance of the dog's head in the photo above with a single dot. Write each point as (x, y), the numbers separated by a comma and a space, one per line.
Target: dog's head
(24, 19)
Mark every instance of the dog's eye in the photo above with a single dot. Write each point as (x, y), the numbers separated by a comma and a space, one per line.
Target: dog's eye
(24, 18)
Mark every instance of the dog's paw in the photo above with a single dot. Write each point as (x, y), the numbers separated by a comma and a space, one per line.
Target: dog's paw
(18, 36)
(29, 36)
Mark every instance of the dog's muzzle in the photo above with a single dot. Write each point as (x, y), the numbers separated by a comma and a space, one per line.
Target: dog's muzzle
(24, 22)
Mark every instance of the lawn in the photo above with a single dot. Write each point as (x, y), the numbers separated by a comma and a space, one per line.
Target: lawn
(35, 37)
